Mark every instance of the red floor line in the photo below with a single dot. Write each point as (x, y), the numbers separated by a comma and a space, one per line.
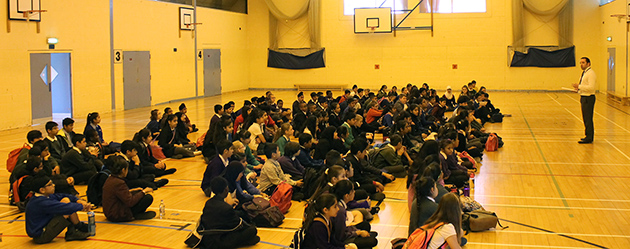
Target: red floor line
(102, 240)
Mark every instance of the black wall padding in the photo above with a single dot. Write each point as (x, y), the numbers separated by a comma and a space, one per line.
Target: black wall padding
(541, 58)
(289, 61)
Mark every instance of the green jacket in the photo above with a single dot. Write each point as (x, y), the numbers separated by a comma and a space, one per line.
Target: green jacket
(387, 156)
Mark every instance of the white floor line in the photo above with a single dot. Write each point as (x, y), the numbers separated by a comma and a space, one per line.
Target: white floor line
(613, 122)
(555, 207)
(521, 245)
(530, 197)
(569, 234)
(554, 99)
(558, 163)
(578, 118)
(624, 154)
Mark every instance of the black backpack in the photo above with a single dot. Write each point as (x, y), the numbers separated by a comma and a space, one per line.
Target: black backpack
(310, 182)
(95, 187)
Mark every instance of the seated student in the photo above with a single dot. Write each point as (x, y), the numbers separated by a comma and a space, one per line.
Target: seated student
(121, 203)
(218, 113)
(51, 168)
(48, 214)
(329, 178)
(306, 142)
(424, 205)
(93, 121)
(252, 162)
(57, 149)
(167, 111)
(434, 172)
(328, 141)
(350, 227)
(240, 187)
(333, 114)
(438, 111)
(172, 144)
(31, 169)
(154, 124)
(366, 174)
(282, 136)
(318, 225)
(228, 229)
(31, 137)
(271, 174)
(150, 164)
(449, 214)
(454, 173)
(186, 121)
(135, 173)
(289, 163)
(256, 126)
(450, 99)
(228, 110)
(389, 159)
(217, 165)
(80, 163)
(66, 133)
(94, 143)
(220, 130)
(299, 118)
(285, 113)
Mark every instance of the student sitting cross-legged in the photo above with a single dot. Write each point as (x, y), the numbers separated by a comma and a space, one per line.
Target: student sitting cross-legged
(48, 214)
(121, 203)
(224, 228)
(80, 163)
(271, 174)
(217, 165)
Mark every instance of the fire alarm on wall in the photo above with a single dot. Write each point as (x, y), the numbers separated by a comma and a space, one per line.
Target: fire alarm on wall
(454, 66)
(377, 66)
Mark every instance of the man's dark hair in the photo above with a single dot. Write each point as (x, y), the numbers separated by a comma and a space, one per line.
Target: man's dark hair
(41, 145)
(355, 86)
(360, 90)
(166, 110)
(395, 140)
(358, 145)
(77, 138)
(217, 108)
(291, 148)
(462, 99)
(586, 59)
(129, 145)
(218, 185)
(67, 121)
(300, 94)
(305, 138)
(347, 91)
(333, 157)
(313, 94)
(225, 107)
(270, 148)
(349, 115)
(50, 125)
(223, 145)
(32, 135)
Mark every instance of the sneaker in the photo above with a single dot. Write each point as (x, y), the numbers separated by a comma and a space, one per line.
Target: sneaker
(82, 227)
(178, 156)
(145, 216)
(170, 171)
(76, 235)
(160, 183)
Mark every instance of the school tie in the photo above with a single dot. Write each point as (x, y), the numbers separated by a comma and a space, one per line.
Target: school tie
(582, 77)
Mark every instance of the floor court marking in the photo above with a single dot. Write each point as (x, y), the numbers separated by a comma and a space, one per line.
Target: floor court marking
(95, 239)
(624, 154)
(603, 116)
(529, 197)
(522, 245)
(545, 160)
(554, 99)
(552, 232)
(532, 174)
(572, 114)
(559, 163)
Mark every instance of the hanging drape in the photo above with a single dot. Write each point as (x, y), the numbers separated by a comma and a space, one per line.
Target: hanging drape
(294, 28)
(563, 9)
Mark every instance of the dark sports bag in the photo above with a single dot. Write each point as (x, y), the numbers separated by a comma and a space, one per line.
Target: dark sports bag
(310, 182)
(497, 118)
(95, 187)
(270, 217)
(480, 220)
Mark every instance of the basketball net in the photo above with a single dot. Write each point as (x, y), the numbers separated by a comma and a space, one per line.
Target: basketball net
(371, 30)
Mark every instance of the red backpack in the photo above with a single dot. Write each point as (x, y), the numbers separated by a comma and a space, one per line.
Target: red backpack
(281, 197)
(421, 238)
(13, 157)
(492, 144)
(15, 191)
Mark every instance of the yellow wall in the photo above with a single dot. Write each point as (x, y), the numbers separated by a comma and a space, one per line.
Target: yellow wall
(611, 26)
(82, 28)
(476, 42)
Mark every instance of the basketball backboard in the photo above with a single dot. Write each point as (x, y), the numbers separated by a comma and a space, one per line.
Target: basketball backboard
(372, 20)
(23, 10)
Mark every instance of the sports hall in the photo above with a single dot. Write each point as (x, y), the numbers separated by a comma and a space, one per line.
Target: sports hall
(549, 190)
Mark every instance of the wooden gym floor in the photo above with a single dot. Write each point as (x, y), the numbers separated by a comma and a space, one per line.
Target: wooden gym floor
(551, 191)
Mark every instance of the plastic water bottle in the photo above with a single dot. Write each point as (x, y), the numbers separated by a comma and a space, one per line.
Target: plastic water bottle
(91, 223)
(162, 210)
(467, 191)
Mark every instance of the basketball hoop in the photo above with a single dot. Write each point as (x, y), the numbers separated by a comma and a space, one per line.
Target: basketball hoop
(28, 13)
(621, 16)
(371, 30)
(192, 24)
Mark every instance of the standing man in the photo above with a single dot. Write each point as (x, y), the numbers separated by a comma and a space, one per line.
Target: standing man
(586, 89)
